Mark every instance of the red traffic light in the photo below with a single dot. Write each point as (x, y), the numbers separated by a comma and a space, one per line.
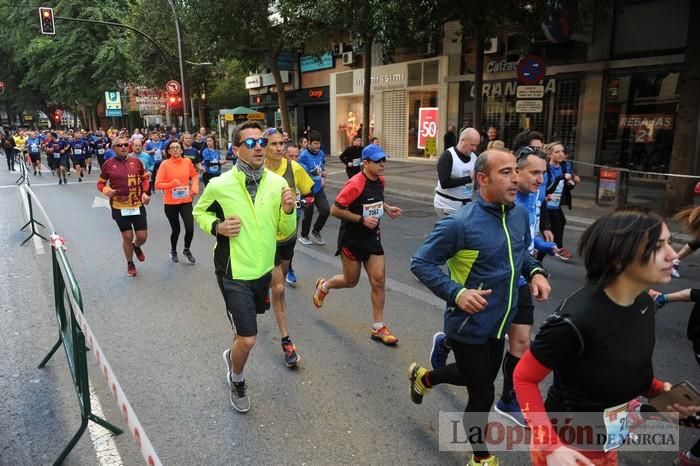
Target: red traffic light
(173, 100)
(46, 21)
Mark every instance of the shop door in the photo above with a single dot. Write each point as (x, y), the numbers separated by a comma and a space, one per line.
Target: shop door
(319, 118)
(394, 139)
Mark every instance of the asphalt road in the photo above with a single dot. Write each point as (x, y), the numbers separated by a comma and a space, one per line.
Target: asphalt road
(164, 331)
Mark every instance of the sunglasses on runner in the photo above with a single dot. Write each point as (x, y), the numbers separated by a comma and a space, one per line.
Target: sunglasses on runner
(121, 145)
(250, 142)
(382, 160)
(271, 131)
(526, 152)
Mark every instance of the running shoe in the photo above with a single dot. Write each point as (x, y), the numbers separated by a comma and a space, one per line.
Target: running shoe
(684, 460)
(131, 269)
(564, 254)
(189, 256)
(173, 256)
(65, 181)
(60, 181)
(490, 461)
(291, 357)
(316, 237)
(439, 351)
(304, 240)
(512, 411)
(239, 398)
(139, 253)
(418, 388)
(319, 294)
(384, 335)
(291, 278)
(80, 179)
(675, 273)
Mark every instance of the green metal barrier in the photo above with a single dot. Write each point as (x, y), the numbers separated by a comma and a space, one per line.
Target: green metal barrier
(67, 296)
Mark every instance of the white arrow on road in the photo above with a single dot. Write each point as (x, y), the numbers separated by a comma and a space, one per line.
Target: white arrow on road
(101, 202)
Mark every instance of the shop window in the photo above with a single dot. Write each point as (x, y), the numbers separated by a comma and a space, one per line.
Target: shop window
(515, 44)
(639, 120)
(343, 83)
(430, 72)
(414, 71)
(566, 114)
(416, 101)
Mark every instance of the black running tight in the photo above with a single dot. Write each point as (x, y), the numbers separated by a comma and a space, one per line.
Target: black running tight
(185, 211)
(476, 367)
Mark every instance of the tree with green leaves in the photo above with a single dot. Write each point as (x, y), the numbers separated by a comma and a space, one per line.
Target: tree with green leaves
(392, 23)
(57, 68)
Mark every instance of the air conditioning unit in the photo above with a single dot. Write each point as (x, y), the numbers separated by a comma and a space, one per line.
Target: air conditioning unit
(348, 58)
(491, 45)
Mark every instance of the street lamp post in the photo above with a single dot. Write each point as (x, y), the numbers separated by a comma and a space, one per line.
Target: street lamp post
(182, 65)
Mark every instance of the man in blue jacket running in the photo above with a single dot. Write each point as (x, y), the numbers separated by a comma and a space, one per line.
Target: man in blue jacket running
(313, 159)
(485, 245)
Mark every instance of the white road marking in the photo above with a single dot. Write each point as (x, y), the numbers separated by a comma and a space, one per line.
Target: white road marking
(102, 439)
(411, 292)
(101, 202)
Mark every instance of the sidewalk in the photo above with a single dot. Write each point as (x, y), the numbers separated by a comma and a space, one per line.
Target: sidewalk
(416, 180)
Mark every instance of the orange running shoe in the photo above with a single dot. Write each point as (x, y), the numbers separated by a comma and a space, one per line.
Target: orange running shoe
(384, 335)
(319, 294)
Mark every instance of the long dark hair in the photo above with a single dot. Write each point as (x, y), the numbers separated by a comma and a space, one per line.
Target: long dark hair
(614, 241)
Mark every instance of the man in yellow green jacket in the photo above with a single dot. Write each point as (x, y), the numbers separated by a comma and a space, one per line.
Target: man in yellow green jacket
(245, 209)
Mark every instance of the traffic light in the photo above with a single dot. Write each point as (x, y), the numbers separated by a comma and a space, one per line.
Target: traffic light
(46, 20)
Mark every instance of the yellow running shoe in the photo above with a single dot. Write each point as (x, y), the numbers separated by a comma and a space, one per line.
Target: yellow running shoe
(490, 461)
(418, 388)
(384, 335)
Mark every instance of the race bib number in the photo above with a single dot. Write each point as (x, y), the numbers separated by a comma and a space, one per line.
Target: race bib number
(375, 209)
(101, 151)
(181, 192)
(468, 190)
(356, 162)
(77, 151)
(555, 199)
(616, 426)
(56, 155)
(130, 212)
(34, 148)
(158, 155)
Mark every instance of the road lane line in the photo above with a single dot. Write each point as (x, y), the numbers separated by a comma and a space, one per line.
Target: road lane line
(411, 292)
(102, 439)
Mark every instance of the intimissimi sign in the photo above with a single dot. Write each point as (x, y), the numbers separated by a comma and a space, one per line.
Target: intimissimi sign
(510, 88)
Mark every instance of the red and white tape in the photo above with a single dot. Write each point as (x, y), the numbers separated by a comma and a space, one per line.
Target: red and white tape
(134, 425)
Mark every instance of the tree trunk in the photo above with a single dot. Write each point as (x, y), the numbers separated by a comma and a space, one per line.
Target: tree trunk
(679, 192)
(202, 115)
(478, 80)
(366, 90)
(281, 91)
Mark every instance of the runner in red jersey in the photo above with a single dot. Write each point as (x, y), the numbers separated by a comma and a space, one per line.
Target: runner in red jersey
(123, 180)
(360, 205)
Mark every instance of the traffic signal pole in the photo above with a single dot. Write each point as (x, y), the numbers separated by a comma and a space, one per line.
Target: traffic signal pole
(183, 87)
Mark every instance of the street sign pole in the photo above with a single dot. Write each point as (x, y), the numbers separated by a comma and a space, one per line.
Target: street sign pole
(182, 66)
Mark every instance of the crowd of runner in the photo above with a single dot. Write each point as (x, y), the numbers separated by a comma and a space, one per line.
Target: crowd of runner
(500, 216)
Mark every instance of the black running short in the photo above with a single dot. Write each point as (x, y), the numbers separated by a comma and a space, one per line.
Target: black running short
(525, 314)
(127, 222)
(35, 157)
(79, 161)
(285, 251)
(244, 300)
(360, 253)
